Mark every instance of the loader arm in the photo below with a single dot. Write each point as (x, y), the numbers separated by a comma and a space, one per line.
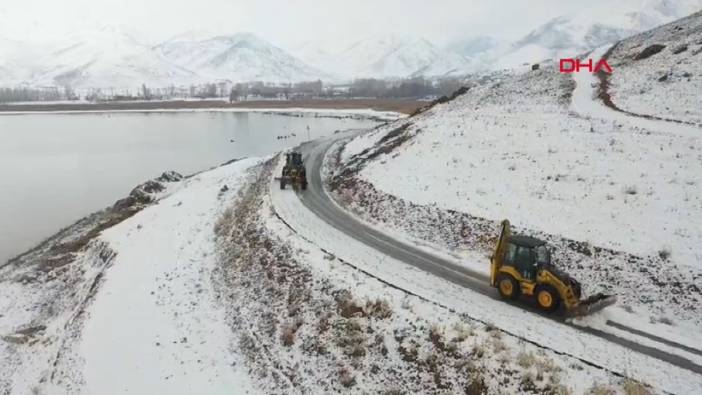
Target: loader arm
(498, 255)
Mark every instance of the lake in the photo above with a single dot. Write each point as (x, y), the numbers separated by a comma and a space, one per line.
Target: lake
(58, 168)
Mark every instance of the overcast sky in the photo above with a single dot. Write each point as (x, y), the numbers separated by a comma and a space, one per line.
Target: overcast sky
(288, 23)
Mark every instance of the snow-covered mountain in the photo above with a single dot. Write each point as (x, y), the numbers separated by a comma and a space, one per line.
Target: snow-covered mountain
(474, 46)
(238, 57)
(392, 56)
(106, 58)
(570, 35)
(111, 58)
(9, 52)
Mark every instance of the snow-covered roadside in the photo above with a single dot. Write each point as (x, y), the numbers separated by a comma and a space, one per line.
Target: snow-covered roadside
(137, 310)
(511, 319)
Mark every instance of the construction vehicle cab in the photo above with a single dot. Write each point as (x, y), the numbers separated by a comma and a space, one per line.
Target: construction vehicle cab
(521, 266)
(294, 172)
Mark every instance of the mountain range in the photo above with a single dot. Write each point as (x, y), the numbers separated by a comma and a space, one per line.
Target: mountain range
(109, 57)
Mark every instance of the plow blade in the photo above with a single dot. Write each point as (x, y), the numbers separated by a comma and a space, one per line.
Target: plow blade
(593, 304)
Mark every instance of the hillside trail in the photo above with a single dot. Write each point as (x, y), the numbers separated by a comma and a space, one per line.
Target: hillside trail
(587, 103)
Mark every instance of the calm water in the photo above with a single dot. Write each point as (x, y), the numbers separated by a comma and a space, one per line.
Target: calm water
(57, 168)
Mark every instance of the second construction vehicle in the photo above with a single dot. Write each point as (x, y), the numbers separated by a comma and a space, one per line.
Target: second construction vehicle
(521, 265)
(294, 172)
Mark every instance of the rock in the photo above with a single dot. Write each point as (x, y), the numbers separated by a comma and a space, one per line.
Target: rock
(170, 176)
(535, 66)
(151, 186)
(663, 78)
(649, 51)
(680, 49)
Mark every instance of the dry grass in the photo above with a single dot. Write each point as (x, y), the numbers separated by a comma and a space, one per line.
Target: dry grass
(478, 350)
(600, 389)
(348, 307)
(346, 377)
(288, 332)
(436, 335)
(476, 385)
(288, 336)
(463, 331)
(526, 359)
(498, 345)
(632, 387)
(379, 309)
(224, 222)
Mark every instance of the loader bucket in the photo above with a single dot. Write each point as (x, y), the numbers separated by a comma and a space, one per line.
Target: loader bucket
(593, 304)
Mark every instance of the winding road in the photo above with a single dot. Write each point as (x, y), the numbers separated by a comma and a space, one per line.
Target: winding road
(316, 199)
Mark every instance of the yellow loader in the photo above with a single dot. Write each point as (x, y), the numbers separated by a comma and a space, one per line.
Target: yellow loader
(521, 266)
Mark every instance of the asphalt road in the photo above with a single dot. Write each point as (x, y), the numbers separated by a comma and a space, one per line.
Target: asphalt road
(317, 201)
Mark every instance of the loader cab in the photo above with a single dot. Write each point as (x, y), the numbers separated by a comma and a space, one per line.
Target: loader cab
(526, 254)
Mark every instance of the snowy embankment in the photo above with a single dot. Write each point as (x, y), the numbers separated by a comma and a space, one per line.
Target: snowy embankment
(137, 310)
(659, 73)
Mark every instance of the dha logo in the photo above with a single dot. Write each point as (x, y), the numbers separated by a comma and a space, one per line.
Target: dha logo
(569, 65)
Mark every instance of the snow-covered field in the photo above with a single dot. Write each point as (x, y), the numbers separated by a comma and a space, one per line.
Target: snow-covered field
(666, 84)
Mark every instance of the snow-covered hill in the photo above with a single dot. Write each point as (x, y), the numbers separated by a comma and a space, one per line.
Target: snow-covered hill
(239, 57)
(666, 84)
(571, 35)
(106, 58)
(474, 46)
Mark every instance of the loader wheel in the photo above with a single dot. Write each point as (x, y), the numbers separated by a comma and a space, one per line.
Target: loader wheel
(547, 298)
(508, 287)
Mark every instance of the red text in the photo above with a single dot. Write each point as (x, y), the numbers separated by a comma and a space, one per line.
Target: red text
(574, 65)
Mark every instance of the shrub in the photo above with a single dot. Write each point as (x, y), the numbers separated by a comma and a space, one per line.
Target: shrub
(288, 336)
(600, 389)
(379, 309)
(632, 387)
(476, 385)
(436, 336)
(525, 359)
(348, 307)
(665, 253)
(346, 378)
(462, 331)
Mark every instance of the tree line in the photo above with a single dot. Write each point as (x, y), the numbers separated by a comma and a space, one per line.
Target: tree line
(410, 88)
